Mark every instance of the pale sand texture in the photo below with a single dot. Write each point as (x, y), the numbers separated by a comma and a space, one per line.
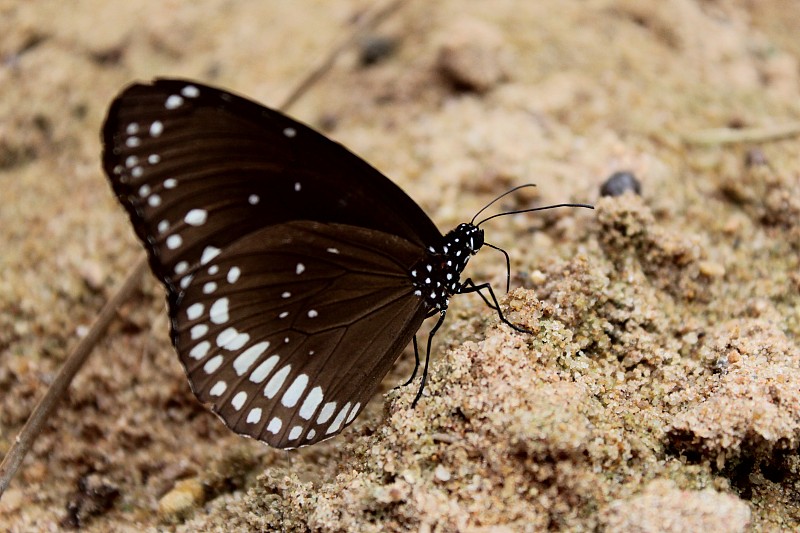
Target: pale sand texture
(660, 390)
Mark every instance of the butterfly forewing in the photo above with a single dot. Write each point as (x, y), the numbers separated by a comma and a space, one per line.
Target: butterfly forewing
(198, 168)
(279, 331)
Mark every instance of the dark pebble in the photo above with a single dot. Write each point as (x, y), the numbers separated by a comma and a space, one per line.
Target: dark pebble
(375, 49)
(619, 183)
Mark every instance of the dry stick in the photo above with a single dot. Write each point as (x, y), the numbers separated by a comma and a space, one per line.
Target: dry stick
(315, 75)
(26, 437)
(733, 135)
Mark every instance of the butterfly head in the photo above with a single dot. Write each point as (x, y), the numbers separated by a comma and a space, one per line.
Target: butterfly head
(472, 236)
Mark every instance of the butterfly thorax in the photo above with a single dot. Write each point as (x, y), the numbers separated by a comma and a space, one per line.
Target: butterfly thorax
(436, 276)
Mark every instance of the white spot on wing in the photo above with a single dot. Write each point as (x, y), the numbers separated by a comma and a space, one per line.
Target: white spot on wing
(295, 391)
(286, 294)
(209, 253)
(154, 159)
(218, 389)
(243, 363)
(190, 91)
(198, 331)
(173, 102)
(295, 433)
(132, 142)
(154, 200)
(132, 129)
(300, 268)
(254, 416)
(194, 311)
(262, 371)
(289, 132)
(213, 364)
(337, 424)
(156, 128)
(275, 384)
(333, 250)
(326, 413)
(196, 217)
(144, 190)
(312, 313)
(219, 311)
(253, 199)
(311, 403)
(353, 413)
(163, 226)
(209, 287)
(226, 336)
(200, 351)
(233, 274)
(238, 401)
(173, 241)
(311, 434)
(181, 267)
(236, 344)
(275, 425)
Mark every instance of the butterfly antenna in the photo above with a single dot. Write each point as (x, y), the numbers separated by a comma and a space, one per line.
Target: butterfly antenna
(487, 206)
(554, 206)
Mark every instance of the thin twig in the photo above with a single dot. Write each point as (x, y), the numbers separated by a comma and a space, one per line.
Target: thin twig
(746, 135)
(41, 413)
(367, 23)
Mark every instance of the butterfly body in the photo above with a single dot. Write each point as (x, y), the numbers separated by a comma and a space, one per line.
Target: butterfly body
(437, 276)
(295, 272)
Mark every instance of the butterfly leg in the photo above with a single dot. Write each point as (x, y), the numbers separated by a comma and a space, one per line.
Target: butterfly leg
(416, 362)
(416, 352)
(428, 357)
(469, 286)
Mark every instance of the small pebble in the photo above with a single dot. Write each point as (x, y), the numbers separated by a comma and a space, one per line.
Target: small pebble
(375, 49)
(186, 496)
(711, 269)
(537, 277)
(755, 157)
(441, 473)
(472, 57)
(94, 496)
(619, 183)
(721, 364)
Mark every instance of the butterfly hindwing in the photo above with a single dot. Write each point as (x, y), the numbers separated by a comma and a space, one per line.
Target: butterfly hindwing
(290, 329)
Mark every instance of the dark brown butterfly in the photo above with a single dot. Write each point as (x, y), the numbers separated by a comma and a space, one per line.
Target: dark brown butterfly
(296, 273)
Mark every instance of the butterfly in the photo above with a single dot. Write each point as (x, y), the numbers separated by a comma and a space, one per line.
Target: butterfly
(295, 272)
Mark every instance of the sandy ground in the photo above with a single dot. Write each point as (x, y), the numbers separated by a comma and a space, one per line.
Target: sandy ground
(660, 390)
